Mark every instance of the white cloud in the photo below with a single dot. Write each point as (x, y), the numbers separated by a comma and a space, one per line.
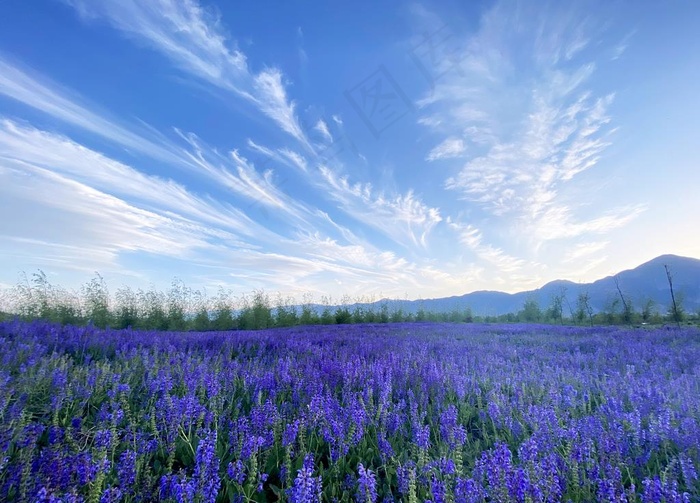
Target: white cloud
(322, 128)
(473, 238)
(284, 156)
(184, 31)
(271, 98)
(402, 217)
(362, 258)
(30, 146)
(448, 149)
(41, 94)
(621, 47)
(238, 175)
(581, 250)
(520, 145)
(296, 159)
(556, 222)
(84, 204)
(267, 152)
(521, 174)
(162, 214)
(193, 39)
(71, 213)
(520, 98)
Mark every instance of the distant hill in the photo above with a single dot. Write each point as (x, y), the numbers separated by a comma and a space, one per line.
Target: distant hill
(647, 281)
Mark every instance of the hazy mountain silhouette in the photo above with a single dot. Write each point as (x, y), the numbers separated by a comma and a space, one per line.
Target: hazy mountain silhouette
(647, 281)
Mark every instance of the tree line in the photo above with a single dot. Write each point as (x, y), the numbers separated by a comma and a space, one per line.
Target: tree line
(617, 310)
(181, 308)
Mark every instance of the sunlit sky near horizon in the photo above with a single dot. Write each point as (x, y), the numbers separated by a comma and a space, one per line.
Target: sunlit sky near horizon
(397, 149)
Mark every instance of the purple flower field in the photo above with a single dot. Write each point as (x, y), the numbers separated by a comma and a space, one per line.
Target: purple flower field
(366, 413)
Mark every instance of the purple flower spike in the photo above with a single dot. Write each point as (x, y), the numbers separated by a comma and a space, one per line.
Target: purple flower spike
(366, 486)
(306, 488)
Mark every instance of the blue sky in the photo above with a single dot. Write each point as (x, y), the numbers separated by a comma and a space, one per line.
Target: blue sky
(399, 149)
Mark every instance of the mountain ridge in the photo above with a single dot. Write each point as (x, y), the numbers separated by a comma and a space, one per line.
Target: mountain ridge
(642, 284)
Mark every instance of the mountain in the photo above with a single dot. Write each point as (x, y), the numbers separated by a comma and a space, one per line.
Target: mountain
(641, 284)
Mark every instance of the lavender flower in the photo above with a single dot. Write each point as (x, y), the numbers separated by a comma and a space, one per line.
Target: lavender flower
(290, 433)
(437, 487)
(261, 481)
(126, 469)
(103, 439)
(237, 472)
(404, 474)
(366, 486)
(580, 412)
(690, 475)
(422, 436)
(450, 429)
(45, 496)
(206, 472)
(306, 488)
(385, 448)
(111, 495)
(179, 488)
(468, 491)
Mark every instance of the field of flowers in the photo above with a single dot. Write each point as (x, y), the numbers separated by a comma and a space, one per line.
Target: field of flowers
(370, 413)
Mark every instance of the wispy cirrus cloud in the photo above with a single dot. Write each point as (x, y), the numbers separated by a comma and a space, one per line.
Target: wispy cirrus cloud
(260, 188)
(622, 46)
(86, 229)
(271, 98)
(193, 39)
(556, 222)
(517, 116)
(473, 238)
(520, 95)
(448, 149)
(297, 160)
(322, 128)
(23, 145)
(38, 92)
(282, 155)
(558, 138)
(403, 217)
(235, 173)
(232, 171)
(586, 249)
(86, 204)
(53, 204)
(189, 35)
(362, 257)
